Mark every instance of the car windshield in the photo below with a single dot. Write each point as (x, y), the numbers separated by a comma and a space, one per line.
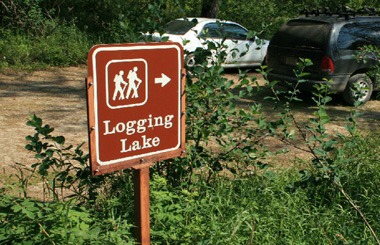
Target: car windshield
(303, 34)
(179, 27)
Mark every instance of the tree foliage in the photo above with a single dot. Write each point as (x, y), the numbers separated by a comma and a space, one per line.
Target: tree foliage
(210, 8)
(113, 21)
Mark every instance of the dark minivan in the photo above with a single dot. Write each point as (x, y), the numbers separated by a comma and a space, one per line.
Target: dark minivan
(331, 42)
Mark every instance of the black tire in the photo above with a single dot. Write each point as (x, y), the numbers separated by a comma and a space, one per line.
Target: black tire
(190, 60)
(359, 89)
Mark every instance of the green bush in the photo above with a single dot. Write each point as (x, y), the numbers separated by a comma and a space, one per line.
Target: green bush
(14, 49)
(65, 46)
(25, 221)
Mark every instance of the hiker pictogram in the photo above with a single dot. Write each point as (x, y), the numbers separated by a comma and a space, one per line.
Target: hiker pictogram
(119, 81)
(132, 86)
(127, 83)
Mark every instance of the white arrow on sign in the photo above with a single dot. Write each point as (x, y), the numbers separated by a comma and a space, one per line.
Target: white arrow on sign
(163, 80)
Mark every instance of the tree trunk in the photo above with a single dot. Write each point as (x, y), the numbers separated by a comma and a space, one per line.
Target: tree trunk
(210, 8)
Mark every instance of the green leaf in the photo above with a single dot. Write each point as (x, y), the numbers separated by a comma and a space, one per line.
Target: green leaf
(59, 139)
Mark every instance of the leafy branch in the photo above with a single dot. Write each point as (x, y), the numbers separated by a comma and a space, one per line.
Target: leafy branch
(319, 143)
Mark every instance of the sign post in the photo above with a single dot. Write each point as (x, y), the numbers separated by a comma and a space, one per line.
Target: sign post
(136, 113)
(142, 210)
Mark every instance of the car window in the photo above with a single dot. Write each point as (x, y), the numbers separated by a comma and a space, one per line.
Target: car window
(224, 30)
(233, 31)
(212, 30)
(355, 35)
(179, 27)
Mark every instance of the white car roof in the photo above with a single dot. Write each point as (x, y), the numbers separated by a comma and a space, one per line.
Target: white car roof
(203, 19)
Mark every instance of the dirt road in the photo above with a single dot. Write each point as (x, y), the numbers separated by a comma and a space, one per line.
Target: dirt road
(58, 96)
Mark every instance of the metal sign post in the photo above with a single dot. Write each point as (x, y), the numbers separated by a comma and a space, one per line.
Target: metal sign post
(136, 113)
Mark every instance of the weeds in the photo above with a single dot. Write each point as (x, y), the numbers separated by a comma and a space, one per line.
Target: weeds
(64, 170)
(326, 172)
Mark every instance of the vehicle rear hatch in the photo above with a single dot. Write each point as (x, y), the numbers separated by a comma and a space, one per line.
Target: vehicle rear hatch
(299, 38)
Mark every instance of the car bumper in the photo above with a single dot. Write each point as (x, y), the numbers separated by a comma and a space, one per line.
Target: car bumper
(337, 83)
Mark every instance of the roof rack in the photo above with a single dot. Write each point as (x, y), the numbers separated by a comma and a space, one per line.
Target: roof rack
(342, 12)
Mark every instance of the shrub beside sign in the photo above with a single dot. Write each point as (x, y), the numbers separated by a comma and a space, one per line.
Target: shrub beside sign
(136, 104)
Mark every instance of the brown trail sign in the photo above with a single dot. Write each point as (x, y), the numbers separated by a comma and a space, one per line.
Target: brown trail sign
(136, 104)
(136, 113)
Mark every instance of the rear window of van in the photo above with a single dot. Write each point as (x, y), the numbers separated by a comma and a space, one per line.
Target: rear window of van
(303, 34)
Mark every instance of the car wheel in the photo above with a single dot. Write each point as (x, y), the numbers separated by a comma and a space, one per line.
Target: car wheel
(359, 89)
(190, 60)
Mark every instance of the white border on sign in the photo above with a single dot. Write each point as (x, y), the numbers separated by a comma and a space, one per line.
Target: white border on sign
(107, 84)
(95, 80)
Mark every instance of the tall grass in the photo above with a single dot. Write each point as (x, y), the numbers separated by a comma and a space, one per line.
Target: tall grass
(268, 207)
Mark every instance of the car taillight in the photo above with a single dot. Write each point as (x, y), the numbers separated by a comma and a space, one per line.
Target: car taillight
(327, 65)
